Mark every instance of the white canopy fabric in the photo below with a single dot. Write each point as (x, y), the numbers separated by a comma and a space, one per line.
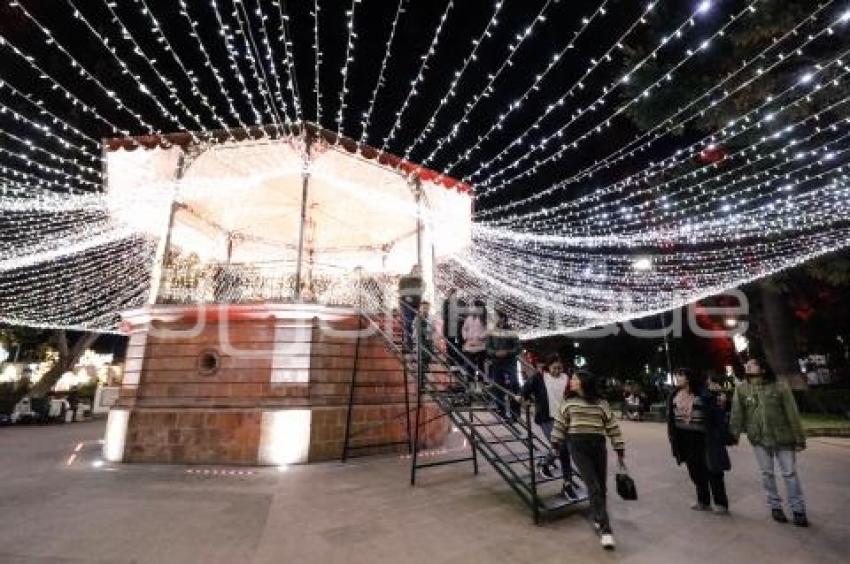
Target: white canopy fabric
(240, 202)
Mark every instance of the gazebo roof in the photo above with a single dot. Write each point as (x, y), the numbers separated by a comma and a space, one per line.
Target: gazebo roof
(185, 139)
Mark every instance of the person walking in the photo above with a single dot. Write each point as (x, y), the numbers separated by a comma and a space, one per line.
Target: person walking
(73, 400)
(411, 287)
(548, 389)
(453, 308)
(503, 348)
(696, 428)
(583, 421)
(765, 409)
(474, 334)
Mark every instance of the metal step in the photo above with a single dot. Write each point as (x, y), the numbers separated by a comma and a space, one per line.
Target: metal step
(505, 458)
(557, 503)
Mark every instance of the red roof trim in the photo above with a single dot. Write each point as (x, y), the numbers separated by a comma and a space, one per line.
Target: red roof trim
(185, 139)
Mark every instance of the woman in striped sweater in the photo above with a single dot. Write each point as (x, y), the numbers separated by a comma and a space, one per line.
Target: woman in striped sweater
(583, 421)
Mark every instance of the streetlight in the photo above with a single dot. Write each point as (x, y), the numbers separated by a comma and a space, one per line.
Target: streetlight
(646, 264)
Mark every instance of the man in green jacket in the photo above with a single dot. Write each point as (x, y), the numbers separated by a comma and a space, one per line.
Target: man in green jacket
(766, 411)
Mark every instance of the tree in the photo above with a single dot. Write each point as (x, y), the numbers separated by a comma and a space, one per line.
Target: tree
(69, 346)
(743, 42)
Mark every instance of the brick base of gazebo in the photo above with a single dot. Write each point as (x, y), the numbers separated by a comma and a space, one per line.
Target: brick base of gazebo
(258, 384)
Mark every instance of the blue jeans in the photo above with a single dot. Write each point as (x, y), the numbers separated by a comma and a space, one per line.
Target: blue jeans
(787, 458)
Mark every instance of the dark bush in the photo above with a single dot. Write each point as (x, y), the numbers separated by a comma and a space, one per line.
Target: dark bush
(831, 400)
(10, 394)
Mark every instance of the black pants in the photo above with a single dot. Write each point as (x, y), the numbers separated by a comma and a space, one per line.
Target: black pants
(504, 374)
(708, 484)
(591, 460)
(453, 351)
(478, 359)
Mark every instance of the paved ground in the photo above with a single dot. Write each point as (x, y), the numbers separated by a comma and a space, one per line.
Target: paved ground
(57, 509)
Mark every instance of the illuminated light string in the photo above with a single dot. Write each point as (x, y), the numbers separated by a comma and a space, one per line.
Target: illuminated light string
(208, 63)
(55, 85)
(41, 109)
(349, 58)
(772, 231)
(46, 131)
(728, 226)
(458, 75)
(21, 178)
(289, 58)
(270, 57)
(317, 63)
(653, 170)
(606, 161)
(540, 77)
(22, 296)
(601, 288)
(527, 308)
(603, 124)
(675, 271)
(719, 196)
(227, 39)
(251, 54)
(644, 192)
(143, 88)
(420, 76)
(38, 165)
(163, 42)
(764, 139)
(366, 121)
(487, 91)
(679, 157)
(83, 72)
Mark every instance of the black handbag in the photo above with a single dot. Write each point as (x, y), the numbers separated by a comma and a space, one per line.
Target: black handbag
(625, 485)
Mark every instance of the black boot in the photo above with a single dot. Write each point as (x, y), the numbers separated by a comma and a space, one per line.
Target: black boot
(800, 520)
(779, 516)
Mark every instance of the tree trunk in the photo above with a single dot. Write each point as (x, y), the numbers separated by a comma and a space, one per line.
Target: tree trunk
(777, 335)
(68, 357)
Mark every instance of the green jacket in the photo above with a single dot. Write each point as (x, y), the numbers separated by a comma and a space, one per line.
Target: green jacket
(768, 414)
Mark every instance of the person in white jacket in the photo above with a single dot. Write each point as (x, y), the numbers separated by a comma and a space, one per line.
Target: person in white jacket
(474, 333)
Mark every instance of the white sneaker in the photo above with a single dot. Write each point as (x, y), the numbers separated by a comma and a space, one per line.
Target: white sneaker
(607, 541)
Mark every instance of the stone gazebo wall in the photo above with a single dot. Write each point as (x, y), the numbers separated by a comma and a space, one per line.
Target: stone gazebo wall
(256, 385)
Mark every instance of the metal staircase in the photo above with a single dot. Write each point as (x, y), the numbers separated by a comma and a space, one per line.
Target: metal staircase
(511, 447)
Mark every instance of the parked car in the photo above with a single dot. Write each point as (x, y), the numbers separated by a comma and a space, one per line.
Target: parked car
(39, 410)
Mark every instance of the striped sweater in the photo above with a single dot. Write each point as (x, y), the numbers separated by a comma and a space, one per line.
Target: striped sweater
(578, 417)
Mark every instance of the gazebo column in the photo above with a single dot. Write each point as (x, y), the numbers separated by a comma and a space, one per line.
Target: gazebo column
(165, 241)
(305, 184)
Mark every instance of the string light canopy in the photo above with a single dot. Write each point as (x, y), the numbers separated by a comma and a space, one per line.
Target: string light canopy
(610, 182)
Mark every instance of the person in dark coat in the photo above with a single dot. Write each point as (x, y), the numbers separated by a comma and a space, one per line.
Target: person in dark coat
(453, 309)
(73, 400)
(698, 432)
(411, 288)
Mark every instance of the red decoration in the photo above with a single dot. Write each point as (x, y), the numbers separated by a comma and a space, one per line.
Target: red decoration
(712, 154)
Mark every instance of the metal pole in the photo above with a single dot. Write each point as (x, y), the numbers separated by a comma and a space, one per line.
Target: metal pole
(417, 187)
(531, 465)
(305, 182)
(666, 346)
(419, 378)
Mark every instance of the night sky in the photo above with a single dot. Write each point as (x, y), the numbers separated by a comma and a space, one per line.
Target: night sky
(372, 24)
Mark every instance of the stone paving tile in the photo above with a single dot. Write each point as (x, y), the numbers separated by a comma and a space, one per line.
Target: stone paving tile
(366, 512)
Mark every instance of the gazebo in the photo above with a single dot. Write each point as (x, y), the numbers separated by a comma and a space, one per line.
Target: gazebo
(248, 349)
(269, 215)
